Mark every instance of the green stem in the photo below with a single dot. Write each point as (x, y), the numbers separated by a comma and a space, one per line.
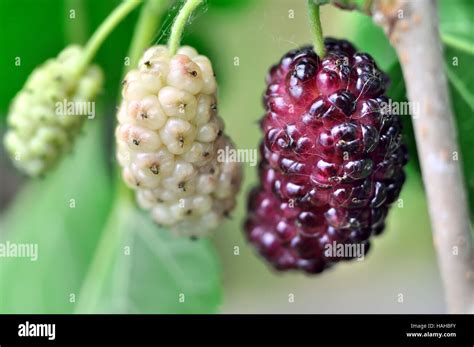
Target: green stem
(148, 24)
(105, 29)
(180, 23)
(455, 42)
(316, 29)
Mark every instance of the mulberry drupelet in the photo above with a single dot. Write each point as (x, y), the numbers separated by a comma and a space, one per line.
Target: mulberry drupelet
(39, 131)
(332, 157)
(168, 139)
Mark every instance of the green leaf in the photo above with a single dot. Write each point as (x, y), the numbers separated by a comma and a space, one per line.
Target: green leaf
(397, 93)
(457, 33)
(32, 31)
(63, 215)
(458, 41)
(229, 5)
(456, 20)
(370, 38)
(457, 28)
(461, 76)
(131, 265)
(140, 268)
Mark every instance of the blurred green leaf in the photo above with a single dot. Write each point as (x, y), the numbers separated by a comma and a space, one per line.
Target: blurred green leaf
(111, 56)
(460, 77)
(457, 31)
(41, 25)
(44, 25)
(66, 237)
(371, 38)
(71, 242)
(397, 92)
(228, 5)
(456, 20)
(31, 31)
(140, 268)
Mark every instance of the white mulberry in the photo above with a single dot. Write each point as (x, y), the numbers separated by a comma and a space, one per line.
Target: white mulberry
(168, 138)
(43, 119)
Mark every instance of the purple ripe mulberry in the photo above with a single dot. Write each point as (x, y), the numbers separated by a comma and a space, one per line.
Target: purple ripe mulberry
(332, 158)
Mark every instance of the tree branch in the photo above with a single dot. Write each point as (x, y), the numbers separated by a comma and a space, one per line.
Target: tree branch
(412, 27)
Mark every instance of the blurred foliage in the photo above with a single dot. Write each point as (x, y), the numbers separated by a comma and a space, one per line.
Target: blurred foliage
(456, 19)
(397, 92)
(229, 5)
(140, 268)
(82, 250)
(31, 30)
(41, 25)
(461, 82)
(75, 256)
(131, 266)
(369, 37)
(66, 237)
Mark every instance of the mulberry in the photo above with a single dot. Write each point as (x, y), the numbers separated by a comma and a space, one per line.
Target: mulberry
(332, 158)
(41, 129)
(168, 139)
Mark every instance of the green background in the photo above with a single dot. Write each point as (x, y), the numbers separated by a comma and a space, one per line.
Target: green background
(138, 268)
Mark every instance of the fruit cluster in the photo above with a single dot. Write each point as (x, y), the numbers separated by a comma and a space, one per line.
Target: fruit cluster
(168, 139)
(40, 131)
(332, 158)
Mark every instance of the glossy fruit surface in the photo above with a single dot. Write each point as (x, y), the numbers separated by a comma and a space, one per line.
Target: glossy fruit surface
(332, 157)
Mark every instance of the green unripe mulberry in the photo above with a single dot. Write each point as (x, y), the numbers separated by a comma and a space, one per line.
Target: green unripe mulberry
(48, 112)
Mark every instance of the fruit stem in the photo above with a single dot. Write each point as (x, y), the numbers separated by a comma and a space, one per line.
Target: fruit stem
(418, 47)
(179, 24)
(105, 29)
(316, 29)
(145, 29)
